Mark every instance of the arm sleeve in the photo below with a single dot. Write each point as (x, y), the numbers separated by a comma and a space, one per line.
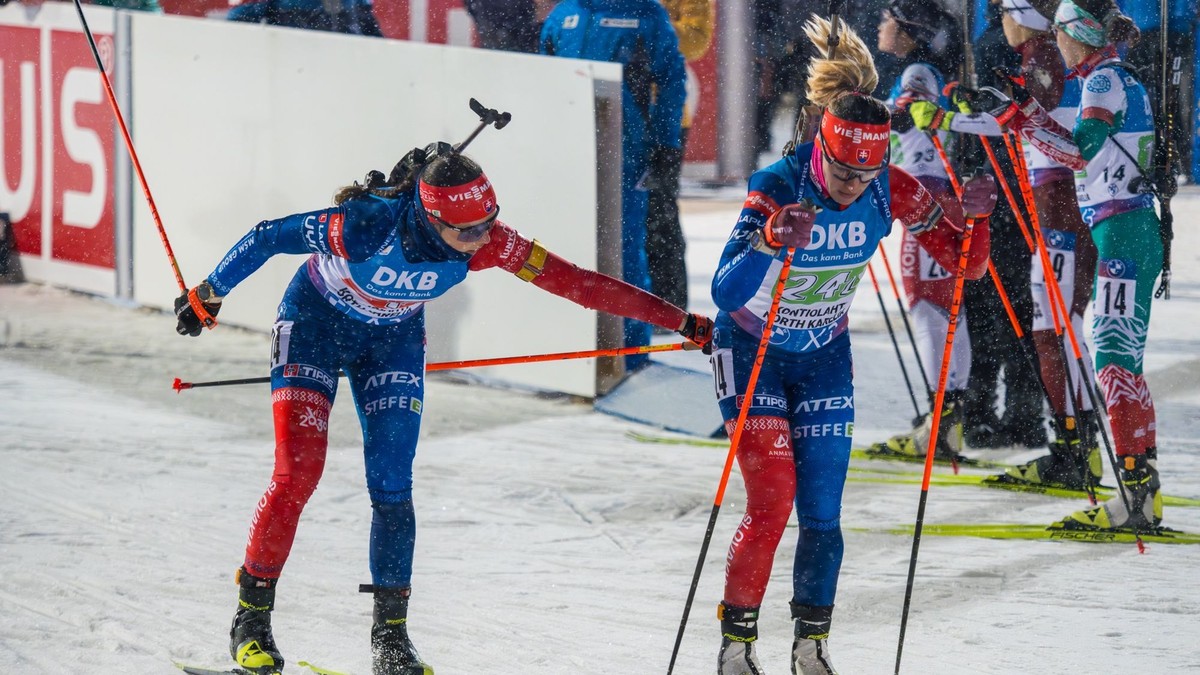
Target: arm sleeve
(546, 41)
(742, 268)
(670, 76)
(354, 230)
(1090, 136)
(531, 262)
(979, 124)
(912, 205)
(1047, 135)
(1102, 104)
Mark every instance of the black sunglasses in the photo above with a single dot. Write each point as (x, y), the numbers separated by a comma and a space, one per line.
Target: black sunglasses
(470, 232)
(850, 173)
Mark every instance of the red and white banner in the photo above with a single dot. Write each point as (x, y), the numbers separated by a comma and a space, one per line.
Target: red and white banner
(56, 176)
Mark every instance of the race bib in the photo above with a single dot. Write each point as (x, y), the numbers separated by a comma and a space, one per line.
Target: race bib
(1116, 289)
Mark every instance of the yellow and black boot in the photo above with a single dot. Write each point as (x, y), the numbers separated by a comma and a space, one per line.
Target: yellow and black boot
(739, 631)
(1139, 507)
(916, 443)
(1074, 462)
(392, 652)
(250, 642)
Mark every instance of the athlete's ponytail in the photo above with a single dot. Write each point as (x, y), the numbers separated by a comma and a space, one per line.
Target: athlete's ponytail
(843, 84)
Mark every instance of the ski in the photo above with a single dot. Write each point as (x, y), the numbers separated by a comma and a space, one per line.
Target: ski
(903, 477)
(1159, 535)
(319, 670)
(864, 475)
(856, 453)
(196, 670)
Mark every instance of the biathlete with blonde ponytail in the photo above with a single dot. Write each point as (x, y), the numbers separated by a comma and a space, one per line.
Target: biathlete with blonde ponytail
(831, 200)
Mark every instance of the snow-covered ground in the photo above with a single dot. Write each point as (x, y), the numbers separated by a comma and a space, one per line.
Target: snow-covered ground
(549, 541)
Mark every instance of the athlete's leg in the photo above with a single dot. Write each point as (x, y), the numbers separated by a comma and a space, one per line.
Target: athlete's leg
(307, 352)
(388, 382)
(822, 425)
(765, 459)
(1130, 253)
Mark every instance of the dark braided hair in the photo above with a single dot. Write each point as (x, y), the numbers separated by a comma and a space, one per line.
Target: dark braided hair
(403, 177)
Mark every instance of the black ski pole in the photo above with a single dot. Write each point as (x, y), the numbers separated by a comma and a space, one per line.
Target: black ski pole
(1165, 188)
(912, 340)
(895, 345)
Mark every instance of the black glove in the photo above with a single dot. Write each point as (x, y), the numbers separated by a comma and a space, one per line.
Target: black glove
(662, 174)
(699, 329)
(189, 323)
(1016, 84)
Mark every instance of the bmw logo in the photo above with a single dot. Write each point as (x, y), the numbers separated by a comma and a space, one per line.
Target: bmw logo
(1116, 268)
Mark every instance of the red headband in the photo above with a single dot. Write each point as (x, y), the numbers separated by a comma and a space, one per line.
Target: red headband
(466, 203)
(855, 143)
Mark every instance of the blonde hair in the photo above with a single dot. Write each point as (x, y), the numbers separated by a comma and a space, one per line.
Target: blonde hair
(850, 70)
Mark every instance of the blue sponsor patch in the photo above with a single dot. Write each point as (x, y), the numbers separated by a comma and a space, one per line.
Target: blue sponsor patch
(1099, 84)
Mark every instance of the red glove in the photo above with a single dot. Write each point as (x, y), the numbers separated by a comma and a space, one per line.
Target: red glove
(791, 226)
(979, 196)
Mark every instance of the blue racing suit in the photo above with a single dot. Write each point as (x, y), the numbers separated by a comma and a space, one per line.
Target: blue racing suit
(804, 397)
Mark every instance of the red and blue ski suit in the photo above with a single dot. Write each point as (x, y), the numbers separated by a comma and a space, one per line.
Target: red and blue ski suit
(795, 447)
(356, 305)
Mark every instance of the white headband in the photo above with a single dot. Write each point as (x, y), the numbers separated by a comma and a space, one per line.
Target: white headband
(1024, 14)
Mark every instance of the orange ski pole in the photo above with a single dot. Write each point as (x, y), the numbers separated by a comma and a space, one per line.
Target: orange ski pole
(137, 165)
(936, 413)
(180, 385)
(734, 442)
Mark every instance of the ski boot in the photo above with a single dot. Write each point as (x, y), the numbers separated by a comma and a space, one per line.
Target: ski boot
(739, 630)
(250, 642)
(1027, 431)
(392, 652)
(810, 649)
(1139, 484)
(1023, 421)
(914, 444)
(981, 424)
(1071, 464)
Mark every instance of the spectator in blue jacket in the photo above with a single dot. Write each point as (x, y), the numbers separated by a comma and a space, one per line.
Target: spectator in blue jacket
(637, 34)
(356, 17)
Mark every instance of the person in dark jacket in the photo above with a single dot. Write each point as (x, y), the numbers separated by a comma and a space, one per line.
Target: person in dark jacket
(355, 17)
(507, 25)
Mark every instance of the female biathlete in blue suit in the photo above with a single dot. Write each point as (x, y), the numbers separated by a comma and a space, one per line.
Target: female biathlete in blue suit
(356, 305)
(833, 201)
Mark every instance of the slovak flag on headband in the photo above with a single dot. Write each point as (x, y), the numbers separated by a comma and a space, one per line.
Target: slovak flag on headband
(863, 155)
